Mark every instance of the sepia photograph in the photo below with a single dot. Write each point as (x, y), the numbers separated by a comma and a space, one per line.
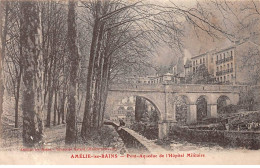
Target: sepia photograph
(130, 82)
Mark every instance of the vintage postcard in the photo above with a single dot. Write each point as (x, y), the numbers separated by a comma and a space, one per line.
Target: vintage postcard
(130, 82)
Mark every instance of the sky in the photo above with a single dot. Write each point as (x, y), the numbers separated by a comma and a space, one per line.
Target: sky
(193, 44)
(165, 55)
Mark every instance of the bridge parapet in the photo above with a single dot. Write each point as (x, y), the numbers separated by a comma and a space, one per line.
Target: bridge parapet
(178, 88)
(137, 87)
(203, 88)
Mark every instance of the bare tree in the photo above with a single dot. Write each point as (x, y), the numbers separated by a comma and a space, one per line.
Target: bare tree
(54, 52)
(32, 103)
(120, 38)
(13, 66)
(3, 42)
(100, 60)
(74, 64)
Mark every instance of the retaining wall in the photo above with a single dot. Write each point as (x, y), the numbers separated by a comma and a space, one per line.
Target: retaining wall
(247, 139)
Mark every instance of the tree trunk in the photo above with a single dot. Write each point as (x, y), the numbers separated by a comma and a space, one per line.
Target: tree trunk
(98, 77)
(59, 112)
(74, 63)
(50, 92)
(62, 107)
(3, 42)
(32, 104)
(54, 83)
(99, 93)
(49, 105)
(17, 97)
(86, 125)
(55, 108)
(140, 108)
(105, 78)
(104, 87)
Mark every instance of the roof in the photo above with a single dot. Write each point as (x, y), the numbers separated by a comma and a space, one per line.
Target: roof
(237, 43)
(233, 45)
(225, 49)
(203, 54)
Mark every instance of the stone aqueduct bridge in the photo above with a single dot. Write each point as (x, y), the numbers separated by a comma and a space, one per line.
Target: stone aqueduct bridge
(163, 97)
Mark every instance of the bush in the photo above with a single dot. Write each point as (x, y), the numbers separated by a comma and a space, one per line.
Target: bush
(228, 109)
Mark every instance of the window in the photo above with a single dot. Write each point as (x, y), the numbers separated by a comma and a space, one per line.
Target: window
(196, 62)
(231, 53)
(200, 61)
(231, 66)
(193, 62)
(220, 79)
(232, 76)
(224, 67)
(220, 68)
(224, 78)
(217, 57)
(203, 60)
(217, 69)
(228, 78)
(212, 59)
(224, 55)
(227, 66)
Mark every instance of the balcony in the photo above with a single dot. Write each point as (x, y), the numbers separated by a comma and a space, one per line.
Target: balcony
(224, 60)
(219, 73)
(230, 70)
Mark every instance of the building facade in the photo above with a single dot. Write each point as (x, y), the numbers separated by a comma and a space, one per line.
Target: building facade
(228, 65)
(224, 65)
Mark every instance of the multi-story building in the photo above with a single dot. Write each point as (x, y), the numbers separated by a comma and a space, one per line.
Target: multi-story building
(224, 72)
(206, 59)
(237, 64)
(228, 65)
(198, 61)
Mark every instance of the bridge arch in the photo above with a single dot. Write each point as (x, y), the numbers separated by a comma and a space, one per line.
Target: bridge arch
(154, 105)
(224, 98)
(185, 97)
(115, 97)
(157, 101)
(181, 109)
(222, 102)
(202, 107)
